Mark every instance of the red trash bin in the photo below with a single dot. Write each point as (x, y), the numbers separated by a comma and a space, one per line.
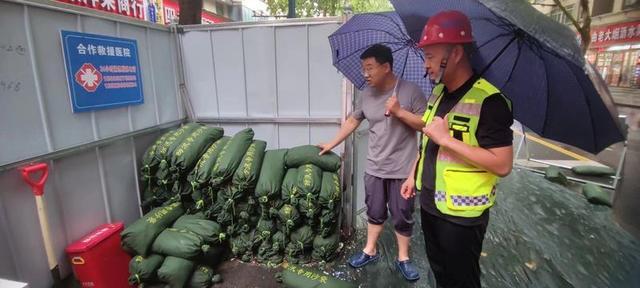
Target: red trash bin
(98, 260)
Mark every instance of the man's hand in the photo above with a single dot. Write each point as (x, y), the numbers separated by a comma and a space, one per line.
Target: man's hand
(437, 130)
(408, 188)
(324, 148)
(392, 106)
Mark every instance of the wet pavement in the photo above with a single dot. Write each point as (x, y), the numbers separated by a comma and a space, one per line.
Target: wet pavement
(540, 235)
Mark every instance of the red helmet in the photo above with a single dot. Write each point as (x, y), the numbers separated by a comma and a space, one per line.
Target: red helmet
(446, 27)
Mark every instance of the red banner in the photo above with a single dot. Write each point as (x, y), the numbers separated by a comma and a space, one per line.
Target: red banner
(130, 8)
(172, 10)
(615, 34)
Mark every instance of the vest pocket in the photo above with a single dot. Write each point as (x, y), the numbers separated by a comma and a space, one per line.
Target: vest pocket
(468, 189)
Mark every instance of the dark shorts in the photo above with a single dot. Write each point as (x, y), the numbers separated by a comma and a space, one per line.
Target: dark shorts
(382, 195)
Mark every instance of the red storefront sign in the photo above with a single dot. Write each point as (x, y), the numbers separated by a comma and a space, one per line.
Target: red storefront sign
(604, 36)
(130, 8)
(172, 10)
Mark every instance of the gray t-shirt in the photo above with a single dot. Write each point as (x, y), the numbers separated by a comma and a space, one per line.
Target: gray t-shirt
(392, 144)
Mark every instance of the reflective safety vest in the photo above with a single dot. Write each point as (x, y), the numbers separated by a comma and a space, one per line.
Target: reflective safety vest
(461, 189)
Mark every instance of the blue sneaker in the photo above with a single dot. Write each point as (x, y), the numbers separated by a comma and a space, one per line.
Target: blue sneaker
(408, 270)
(361, 259)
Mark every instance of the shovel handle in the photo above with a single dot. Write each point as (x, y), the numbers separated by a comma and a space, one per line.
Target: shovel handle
(36, 185)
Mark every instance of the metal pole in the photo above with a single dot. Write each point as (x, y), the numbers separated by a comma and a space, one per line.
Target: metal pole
(292, 9)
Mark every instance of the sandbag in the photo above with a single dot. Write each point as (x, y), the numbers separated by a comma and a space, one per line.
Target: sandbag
(210, 231)
(290, 190)
(191, 149)
(297, 277)
(328, 221)
(595, 195)
(176, 272)
(139, 236)
(271, 175)
(164, 152)
(309, 180)
(289, 218)
(230, 199)
(554, 174)
(330, 193)
(144, 270)
(179, 243)
(230, 157)
(308, 207)
(201, 278)
(246, 176)
(308, 154)
(326, 249)
(593, 170)
(264, 230)
(212, 257)
(201, 173)
(150, 162)
(241, 247)
(300, 241)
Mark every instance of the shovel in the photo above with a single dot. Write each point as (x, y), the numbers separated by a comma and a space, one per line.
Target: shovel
(38, 192)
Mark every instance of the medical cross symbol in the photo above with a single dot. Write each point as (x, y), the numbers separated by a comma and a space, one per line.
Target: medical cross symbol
(88, 77)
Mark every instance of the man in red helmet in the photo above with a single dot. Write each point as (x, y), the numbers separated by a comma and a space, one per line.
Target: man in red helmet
(466, 146)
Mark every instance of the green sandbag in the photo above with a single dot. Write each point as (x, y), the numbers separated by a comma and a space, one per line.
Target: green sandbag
(230, 157)
(143, 270)
(290, 190)
(230, 200)
(246, 176)
(595, 195)
(289, 218)
(201, 278)
(309, 180)
(300, 241)
(176, 272)
(264, 251)
(179, 243)
(271, 175)
(210, 231)
(326, 249)
(139, 236)
(328, 221)
(201, 173)
(554, 174)
(593, 170)
(297, 277)
(192, 147)
(308, 154)
(150, 162)
(279, 241)
(330, 193)
(241, 247)
(164, 152)
(309, 208)
(264, 230)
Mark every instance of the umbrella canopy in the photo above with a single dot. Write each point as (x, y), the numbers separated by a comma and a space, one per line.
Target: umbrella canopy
(536, 62)
(364, 30)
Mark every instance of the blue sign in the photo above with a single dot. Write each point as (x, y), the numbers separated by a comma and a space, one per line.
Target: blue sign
(103, 72)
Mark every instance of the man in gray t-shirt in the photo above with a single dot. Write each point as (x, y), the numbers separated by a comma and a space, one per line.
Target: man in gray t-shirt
(392, 149)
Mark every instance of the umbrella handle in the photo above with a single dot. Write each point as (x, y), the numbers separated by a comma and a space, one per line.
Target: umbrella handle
(36, 185)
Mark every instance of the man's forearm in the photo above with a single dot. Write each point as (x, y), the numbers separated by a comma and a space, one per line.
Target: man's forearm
(345, 130)
(412, 174)
(412, 120)
(498, 161)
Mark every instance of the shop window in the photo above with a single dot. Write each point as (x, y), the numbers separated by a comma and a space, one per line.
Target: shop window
(630, 4)
(602, 7)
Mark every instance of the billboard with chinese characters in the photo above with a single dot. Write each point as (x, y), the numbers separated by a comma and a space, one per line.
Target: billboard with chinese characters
(102, 72)
(604, 36)
(131, 8)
